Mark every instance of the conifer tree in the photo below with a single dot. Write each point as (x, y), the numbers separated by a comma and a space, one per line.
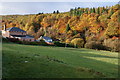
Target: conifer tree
(57, 12)
(53, 12)
(93, 10)
(111, 12)
(98, 10)
(67, 27)
(103, 9)
(86, 11)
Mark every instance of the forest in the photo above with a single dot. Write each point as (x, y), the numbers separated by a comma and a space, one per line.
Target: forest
(94, 28)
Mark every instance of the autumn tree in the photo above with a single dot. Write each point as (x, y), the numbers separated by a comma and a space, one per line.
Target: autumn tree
(77, 42)
(84, 23)
(112, 29)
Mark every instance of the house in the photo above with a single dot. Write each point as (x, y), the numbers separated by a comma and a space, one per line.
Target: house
(48, 40)
(15, 32)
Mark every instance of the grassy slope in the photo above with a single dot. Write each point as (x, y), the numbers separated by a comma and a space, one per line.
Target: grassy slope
(0, 58)
(57, 62)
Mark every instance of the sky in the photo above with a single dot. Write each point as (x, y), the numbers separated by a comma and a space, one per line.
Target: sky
(59, 0)
(13, 7)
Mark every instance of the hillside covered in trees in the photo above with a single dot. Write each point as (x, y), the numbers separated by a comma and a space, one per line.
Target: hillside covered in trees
(96, 28)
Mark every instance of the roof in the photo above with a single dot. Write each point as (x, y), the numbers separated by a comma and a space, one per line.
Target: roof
(15, 29)
(47, 39)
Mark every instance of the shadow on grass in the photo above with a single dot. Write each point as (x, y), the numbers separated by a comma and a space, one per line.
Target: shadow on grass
(107, 69)
(86, 53)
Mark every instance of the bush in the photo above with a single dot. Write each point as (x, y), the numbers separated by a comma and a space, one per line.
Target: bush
(5, 40)
(78, 42)
(57, 43)
(14, 40)
(114, 45)
(26, 42)
(35, 43)
(95, 45)
(43, 43)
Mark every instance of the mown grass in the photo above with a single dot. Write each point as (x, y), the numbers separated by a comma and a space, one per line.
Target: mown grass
(27, 61)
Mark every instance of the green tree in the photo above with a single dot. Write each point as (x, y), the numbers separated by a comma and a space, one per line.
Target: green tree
(78, 12)
(111, 12)
(86, 11)
(67, 27)
(54, 12)
(103, 10)
(71, 12)
(93, 10)
(75, 32)
(98, 10)
(57, 11)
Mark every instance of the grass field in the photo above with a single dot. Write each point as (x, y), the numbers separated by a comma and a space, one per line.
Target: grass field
(27, 61)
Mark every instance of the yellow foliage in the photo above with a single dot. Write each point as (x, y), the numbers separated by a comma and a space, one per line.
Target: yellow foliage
(77, 42)
(115, 16)
(67, 41)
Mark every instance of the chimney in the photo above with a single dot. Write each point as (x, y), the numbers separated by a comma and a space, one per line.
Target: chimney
(5, 27)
